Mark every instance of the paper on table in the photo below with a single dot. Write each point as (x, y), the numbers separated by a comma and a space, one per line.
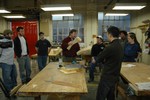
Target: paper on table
(143, 85)
(128, 65)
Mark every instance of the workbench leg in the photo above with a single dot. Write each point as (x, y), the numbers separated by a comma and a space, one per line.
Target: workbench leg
(37, 98)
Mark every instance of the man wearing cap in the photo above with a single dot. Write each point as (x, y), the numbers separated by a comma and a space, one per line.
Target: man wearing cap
(113, 55)
(42, 47)
(9, 73)
(22, 51)
(96, 49)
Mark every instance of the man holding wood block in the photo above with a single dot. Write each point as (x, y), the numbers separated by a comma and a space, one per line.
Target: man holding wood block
(70, 46)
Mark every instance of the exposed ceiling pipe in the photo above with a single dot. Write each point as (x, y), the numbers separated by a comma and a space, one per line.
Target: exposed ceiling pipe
(105, 7)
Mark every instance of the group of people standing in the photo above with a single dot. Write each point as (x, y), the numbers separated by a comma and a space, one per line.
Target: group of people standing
(9, 72)
(126, 49)
(110, 57)
(19, 46)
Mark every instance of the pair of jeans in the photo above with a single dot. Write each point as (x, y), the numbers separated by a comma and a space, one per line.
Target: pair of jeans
(24, 68)
(92, 69)
(91, 72)
(106, 89)
(9, 74)
(41, 62)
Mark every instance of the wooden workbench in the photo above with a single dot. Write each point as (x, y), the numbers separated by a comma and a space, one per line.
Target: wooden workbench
(53, 53)
(136, 74)
(51, 81)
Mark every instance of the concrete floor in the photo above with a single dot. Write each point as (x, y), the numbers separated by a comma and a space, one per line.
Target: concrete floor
(92, 87)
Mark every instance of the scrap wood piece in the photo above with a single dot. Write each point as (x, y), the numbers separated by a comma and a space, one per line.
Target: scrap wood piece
(65, 84)
(70, 70)
(85, 51)
(15, 89)
(76, 40)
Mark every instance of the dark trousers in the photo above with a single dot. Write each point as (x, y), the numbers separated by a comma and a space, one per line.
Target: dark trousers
(91, 72)
(9, 74)
(42, 60)
(106, 89)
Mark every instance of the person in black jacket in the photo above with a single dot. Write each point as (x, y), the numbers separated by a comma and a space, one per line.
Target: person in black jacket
(22, 51)
(96, 49)
(113, 55)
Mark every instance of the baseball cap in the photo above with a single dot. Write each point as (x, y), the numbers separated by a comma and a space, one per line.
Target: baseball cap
(7, 31)
(100, 37)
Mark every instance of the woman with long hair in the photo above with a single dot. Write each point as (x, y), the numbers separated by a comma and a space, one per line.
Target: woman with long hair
(132, 48)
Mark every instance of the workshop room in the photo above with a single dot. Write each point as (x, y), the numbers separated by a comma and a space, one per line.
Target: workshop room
(74, 50)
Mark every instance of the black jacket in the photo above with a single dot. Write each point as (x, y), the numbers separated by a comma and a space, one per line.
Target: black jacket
(17, 47)
(96, 49)
(113, 55)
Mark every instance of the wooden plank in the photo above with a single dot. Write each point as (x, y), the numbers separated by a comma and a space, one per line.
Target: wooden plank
(45, 82)
(54, 52)
(4, 89)
(15, 89)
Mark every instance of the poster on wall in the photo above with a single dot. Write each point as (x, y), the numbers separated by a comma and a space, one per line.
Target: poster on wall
(30, 33)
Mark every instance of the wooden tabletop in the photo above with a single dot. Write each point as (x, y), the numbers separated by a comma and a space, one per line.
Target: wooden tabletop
(52, 81)
(136, 73)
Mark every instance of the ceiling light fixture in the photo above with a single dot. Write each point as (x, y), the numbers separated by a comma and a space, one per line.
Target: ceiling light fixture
(56, 7)
(14, 16)
(116, 14)
(62, 14)
(4, 11)
(129, 6)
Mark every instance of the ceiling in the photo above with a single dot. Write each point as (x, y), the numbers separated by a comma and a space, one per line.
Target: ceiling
(31, 8)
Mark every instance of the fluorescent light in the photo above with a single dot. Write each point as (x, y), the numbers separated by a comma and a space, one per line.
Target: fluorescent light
(4, 11)
(62, 14)
(116, 14)
(129, 6)
(14, 16)
(56, 7)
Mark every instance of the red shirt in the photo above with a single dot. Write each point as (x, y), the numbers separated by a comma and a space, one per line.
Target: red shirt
(73, 51)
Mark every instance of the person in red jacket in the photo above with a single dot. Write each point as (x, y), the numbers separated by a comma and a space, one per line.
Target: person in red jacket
(70, 55)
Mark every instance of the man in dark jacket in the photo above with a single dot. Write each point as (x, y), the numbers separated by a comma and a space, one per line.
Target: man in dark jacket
(21, 51)
(96, 49)
(113, 55)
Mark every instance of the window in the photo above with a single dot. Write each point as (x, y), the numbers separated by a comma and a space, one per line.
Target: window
(62, 26)
(122, 22)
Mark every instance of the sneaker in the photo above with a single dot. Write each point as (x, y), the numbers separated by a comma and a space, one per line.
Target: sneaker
(27, 80)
